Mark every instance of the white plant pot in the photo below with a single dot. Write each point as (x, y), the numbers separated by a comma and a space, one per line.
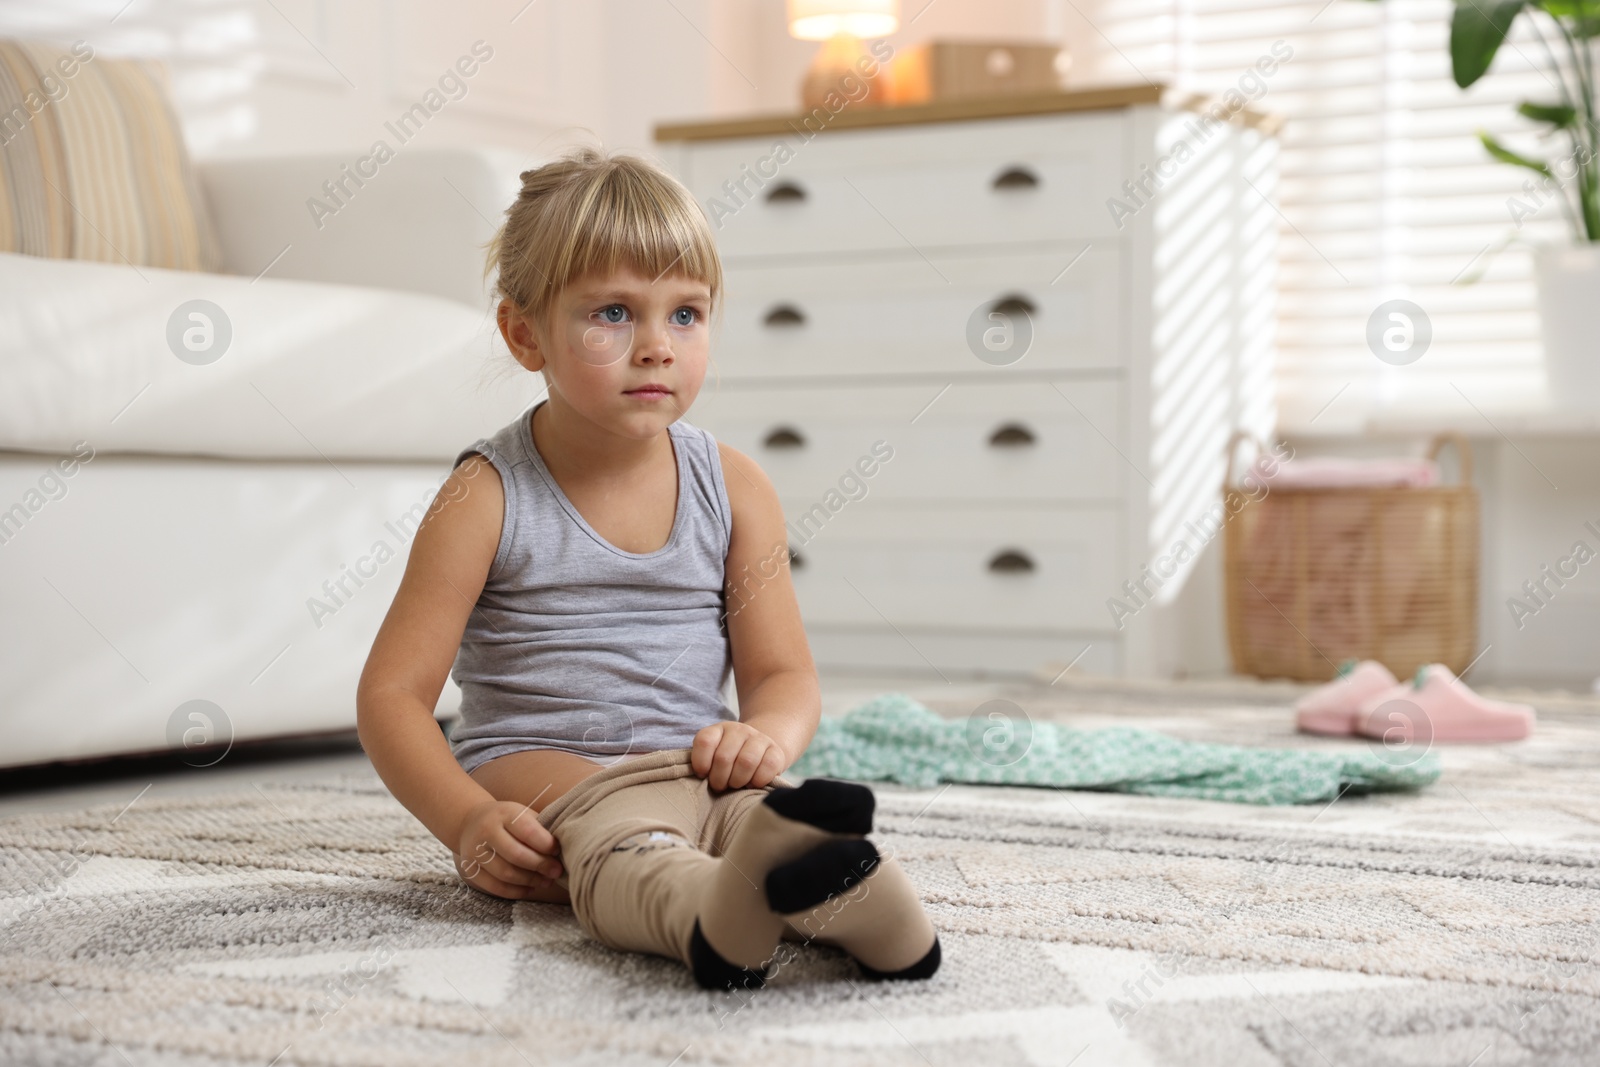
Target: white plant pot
(1569, 317)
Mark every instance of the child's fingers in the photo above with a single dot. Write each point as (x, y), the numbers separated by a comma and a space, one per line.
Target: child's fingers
(527, 828)
(727, 756)
(704, 748)
(771, 766)
(497, 866)
(490, 884)
(747, 762)
(517, 855)
(509, 872)
(722, 762)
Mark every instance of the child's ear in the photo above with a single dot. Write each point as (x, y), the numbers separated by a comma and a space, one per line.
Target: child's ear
(520, 336)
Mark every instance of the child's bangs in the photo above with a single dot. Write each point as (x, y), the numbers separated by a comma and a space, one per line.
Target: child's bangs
(628, 221)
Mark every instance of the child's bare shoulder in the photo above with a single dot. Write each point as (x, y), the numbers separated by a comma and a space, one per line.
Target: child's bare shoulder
(747, 484)
(467, 512)
(752, 497)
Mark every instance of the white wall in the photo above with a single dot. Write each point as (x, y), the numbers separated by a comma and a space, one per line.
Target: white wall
(258, 77)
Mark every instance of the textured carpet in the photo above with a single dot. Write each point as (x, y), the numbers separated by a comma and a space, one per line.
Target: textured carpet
(319, 924)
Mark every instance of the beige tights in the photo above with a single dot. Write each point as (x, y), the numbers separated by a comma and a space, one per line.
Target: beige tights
(656, 862)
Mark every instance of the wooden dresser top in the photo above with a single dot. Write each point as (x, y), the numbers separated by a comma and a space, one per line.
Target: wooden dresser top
(855, 117)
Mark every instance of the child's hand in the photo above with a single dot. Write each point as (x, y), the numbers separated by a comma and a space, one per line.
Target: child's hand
(504, 850)
(734, 755)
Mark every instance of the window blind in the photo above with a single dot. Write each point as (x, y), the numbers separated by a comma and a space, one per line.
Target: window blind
(1385, 191)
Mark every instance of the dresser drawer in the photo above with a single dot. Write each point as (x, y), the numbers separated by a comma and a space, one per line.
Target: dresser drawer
(972, 442)
(1011, 568)
(1043, 178)
(1061, 310)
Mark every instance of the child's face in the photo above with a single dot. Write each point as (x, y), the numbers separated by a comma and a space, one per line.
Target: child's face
(606, 337)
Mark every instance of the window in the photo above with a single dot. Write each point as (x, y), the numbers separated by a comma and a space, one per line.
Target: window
(1385, 190)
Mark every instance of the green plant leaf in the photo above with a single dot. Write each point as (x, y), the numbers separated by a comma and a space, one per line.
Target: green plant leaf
(1476, 31)
(1581, 17)
(1505, 155)
(1558, 115)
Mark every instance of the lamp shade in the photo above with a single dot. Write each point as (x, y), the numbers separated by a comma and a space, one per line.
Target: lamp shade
(818, 20)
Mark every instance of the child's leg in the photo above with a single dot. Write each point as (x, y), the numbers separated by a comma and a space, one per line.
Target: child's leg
(759, 831)
(631, 839)
(631, 865)
(880, 922)
(842, 893)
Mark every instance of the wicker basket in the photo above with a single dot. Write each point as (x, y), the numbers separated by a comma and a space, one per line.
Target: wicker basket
(1318, 576)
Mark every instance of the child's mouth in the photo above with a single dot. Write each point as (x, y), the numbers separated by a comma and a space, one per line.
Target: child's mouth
(651, 392)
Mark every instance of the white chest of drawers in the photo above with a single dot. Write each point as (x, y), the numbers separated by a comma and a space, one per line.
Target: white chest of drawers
(991, 382)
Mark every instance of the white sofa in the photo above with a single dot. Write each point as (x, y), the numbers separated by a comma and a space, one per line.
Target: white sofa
(232, 531)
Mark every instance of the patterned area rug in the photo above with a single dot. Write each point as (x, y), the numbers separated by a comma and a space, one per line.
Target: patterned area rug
(319, 924)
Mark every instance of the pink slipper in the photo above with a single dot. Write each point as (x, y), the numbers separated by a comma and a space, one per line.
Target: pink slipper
(1332, 708)
(1438, 706)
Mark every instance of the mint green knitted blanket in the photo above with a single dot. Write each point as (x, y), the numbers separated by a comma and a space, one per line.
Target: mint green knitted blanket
(892, 738)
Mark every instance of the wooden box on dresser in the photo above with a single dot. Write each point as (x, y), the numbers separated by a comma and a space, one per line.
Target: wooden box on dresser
(990, 354)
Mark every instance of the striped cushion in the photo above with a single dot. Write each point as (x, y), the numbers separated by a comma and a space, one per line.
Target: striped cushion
(92, 162)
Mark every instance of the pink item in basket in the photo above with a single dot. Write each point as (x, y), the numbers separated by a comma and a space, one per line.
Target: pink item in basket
(1438, 706)
(1332, 473)
(1332, 708)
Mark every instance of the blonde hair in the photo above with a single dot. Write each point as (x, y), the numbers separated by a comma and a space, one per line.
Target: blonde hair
(591, 213)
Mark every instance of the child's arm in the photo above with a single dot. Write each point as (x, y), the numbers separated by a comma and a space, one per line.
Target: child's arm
(779, 700)
(499, 846)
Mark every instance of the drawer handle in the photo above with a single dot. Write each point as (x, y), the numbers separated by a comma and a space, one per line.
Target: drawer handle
(1015, 178)
(784, 437)
(785, 193)
(796, 560)
(1014, 304)
(1012, 435)
(785, 315)
(1011, 561)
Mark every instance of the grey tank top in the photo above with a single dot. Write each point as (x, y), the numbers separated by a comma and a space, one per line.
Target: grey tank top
(583, 647)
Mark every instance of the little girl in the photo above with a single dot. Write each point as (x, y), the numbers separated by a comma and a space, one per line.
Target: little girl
(594, 577)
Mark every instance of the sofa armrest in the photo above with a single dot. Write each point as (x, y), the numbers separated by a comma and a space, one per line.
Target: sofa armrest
(416, 221)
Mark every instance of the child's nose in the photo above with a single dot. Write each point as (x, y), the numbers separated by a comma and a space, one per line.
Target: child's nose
(653, 344)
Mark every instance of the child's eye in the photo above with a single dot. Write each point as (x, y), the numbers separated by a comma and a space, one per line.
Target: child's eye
(685, 317)
(613, 314)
